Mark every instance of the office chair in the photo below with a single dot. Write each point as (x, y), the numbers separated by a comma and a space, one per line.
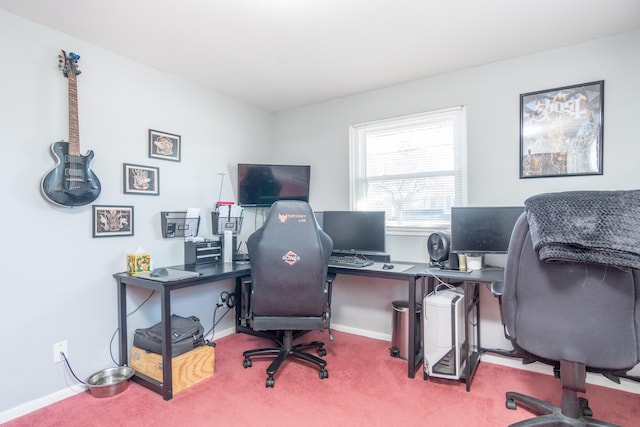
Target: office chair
(577, 316)
(290, 288)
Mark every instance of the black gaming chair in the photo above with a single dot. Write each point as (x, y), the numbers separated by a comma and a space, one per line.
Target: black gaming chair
(576, 315)
(290, 290)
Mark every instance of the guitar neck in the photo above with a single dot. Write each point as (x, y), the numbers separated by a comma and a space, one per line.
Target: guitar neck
(74, 131)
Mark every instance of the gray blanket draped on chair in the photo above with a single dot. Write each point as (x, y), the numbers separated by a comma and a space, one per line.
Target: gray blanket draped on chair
(600, 227)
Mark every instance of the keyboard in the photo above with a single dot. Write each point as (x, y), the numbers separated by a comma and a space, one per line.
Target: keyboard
(349, 261)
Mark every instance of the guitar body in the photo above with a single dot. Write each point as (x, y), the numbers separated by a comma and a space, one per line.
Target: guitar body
(71, 182)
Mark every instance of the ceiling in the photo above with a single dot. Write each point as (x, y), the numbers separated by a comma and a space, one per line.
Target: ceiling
(281, 54)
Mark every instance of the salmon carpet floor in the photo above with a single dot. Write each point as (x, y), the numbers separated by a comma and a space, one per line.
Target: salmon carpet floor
(366, 387)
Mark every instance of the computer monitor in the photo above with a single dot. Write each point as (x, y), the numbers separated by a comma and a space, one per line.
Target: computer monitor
(355, 232)
(483, 229)
(262, 184)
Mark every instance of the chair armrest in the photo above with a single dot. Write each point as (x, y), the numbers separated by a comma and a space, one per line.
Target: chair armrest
(497, 288)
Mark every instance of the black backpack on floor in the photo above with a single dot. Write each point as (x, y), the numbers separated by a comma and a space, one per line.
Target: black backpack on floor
(186, 334)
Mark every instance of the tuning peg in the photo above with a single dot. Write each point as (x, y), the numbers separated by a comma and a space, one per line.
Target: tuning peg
(74, 56)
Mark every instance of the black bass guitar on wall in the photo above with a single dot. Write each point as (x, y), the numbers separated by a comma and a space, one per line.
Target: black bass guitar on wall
(71, 182)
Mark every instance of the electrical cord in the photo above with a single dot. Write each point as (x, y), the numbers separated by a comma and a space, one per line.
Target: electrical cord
(111, 346)
(213, 322)
(232, 300)
(117, 329)
(229, 300)
(240, 246)
(439, 284)
(64, 356)
(66, 360)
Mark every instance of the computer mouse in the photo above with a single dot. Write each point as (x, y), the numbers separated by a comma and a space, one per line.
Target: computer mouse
(387, 266)
(159, 272)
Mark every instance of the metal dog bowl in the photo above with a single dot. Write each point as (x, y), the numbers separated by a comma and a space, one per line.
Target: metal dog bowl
(109, 382)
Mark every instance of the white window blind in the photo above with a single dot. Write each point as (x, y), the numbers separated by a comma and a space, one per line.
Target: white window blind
(412, 167)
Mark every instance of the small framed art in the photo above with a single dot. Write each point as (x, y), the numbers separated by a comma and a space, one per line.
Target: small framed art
(112, 221)
(139, 179)
(164, 146)
(561, 131)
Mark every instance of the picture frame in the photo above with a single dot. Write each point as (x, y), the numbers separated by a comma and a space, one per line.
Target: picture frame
(561, 131)
(140, 179)
(112, 221)
(164, 146)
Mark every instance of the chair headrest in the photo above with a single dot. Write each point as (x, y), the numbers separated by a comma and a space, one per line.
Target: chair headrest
(290, 212)
(291, 206)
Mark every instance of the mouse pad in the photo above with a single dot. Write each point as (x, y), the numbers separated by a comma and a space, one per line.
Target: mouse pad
(172, 276)
(398, 268)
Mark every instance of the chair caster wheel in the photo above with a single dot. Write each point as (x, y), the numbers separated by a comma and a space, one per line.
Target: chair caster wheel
(322, 352)
(247, 363)
(584, 408)
(270, 382)
(323, 374)
(510, 404)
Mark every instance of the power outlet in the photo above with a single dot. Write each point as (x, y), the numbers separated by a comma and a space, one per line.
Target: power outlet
(58, 349)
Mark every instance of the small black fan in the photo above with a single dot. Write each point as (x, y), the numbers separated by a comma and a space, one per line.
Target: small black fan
(438, 247)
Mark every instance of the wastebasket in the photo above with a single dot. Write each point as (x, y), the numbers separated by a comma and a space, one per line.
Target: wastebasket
(400, 332)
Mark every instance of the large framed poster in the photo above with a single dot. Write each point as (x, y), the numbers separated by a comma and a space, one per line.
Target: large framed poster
(561, 131)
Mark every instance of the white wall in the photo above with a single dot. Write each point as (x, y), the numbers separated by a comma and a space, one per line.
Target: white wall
(319, 134)
(57, 280)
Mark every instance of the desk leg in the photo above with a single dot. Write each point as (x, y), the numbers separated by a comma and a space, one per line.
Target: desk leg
(467, 364)
(167, 381)
(122, 322)
(415, 354)
(471, 330)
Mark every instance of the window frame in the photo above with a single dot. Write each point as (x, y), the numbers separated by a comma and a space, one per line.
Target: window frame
(358, 159)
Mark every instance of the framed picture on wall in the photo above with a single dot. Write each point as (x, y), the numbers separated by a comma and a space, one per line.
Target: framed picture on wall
(138, 179)
(561, 131)
(164, 146)
(112, 221)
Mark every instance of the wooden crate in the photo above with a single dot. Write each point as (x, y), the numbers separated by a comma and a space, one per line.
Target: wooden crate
(188, 368)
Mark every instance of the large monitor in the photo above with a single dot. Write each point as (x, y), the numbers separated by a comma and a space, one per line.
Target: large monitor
(482, 229)
(261, 184)
(355, 232)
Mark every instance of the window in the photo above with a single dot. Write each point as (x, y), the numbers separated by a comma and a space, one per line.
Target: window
(412, 167)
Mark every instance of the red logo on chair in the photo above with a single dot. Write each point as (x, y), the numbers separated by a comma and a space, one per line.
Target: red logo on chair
(290, 257)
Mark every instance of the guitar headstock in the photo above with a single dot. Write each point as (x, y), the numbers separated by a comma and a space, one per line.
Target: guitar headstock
(68, 63)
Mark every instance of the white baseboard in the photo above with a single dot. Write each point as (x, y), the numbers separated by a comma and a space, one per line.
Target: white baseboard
(592, 378)
(362, 332)
(224, 333)
(34, 405)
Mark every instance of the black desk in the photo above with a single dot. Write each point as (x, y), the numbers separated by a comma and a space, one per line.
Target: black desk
(208, 273)
(412, 273)
(470, 282)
